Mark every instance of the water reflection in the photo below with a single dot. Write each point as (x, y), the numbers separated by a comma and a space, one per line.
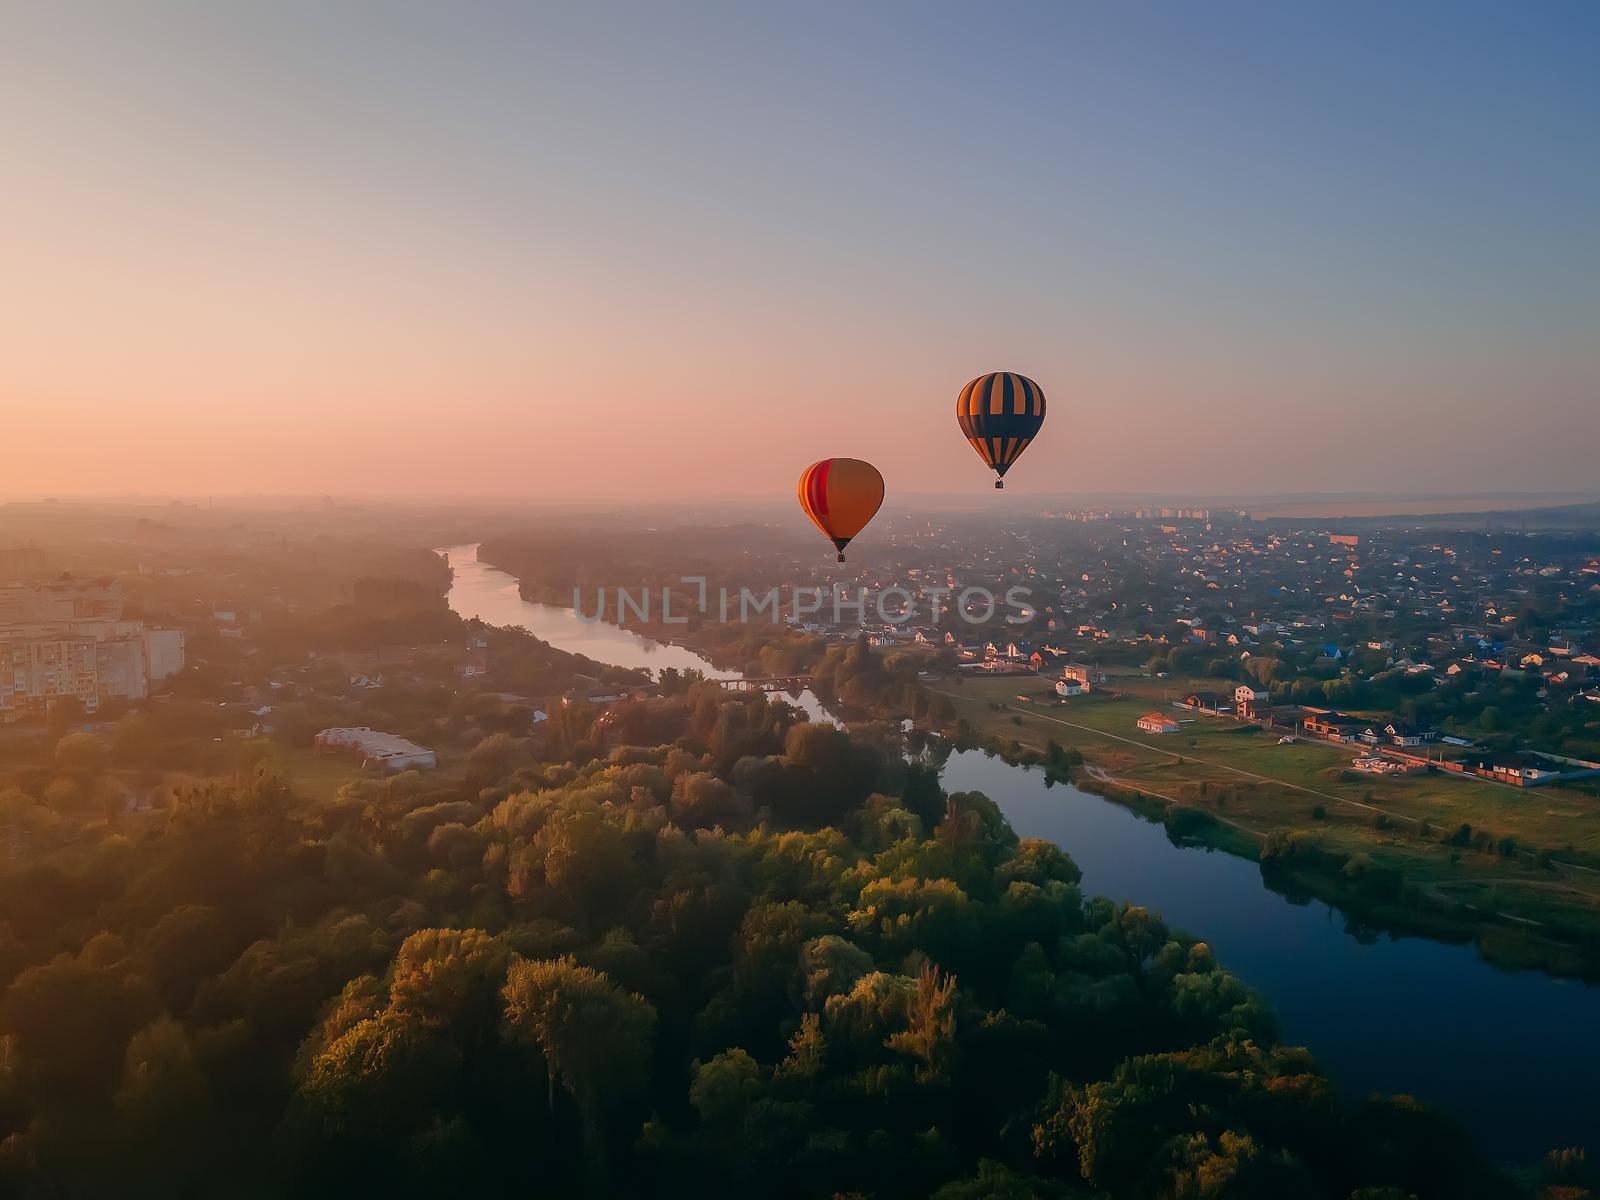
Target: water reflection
(489, 594)
(1508, 1053)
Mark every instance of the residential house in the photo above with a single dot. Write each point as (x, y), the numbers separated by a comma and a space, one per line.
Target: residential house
(1248, 693)
(1398, 734)
(1334, 726)
(1406, 734)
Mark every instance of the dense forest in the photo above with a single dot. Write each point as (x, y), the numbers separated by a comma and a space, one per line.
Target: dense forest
(691, 946)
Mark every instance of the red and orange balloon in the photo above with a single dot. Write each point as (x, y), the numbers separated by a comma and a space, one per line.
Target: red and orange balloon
(841, 495)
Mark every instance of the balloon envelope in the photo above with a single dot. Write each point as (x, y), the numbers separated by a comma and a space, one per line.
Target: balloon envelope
(1000, 413)
(841, 495)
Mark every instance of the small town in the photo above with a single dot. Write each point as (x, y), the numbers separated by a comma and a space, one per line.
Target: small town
(1469, 651)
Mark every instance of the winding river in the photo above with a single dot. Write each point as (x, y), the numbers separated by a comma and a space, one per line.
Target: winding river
(1511, 1054)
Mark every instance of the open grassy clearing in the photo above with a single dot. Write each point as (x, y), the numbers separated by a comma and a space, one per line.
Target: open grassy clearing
(1247, 780)
(1285, 782)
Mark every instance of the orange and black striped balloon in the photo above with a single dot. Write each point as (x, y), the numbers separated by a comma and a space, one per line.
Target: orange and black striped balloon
(840, 495)
(1000, 413)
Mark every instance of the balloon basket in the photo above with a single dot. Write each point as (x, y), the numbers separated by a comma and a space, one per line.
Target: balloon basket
(841, 556)
(999, 483)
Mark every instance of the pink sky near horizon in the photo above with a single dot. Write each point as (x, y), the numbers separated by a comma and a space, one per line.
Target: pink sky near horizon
(246, 260)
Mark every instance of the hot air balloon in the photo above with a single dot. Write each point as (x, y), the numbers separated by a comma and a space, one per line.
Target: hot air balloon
(1000, 413)
(840, 495)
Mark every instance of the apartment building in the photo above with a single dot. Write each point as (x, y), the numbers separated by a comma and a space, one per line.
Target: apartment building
(66, 640)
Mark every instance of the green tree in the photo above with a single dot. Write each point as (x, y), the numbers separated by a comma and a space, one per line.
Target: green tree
(595, 1037)
(81, 752)
(72, 1022)
(701, 800)
(166, 1113)
(453, 976)
(384, 1076)
(930, 1032)
(724, 1087)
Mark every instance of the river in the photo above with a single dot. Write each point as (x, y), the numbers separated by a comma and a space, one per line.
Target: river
(1510, 1054)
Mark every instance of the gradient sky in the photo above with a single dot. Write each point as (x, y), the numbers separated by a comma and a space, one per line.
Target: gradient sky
(685, 249)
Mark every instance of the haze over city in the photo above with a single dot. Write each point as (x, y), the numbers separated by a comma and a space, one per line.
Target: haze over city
(841, 600)
(639, 252)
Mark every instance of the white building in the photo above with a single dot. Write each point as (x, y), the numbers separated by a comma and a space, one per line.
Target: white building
(163, 652)
(389, 751)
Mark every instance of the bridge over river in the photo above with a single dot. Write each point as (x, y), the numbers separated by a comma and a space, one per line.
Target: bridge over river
(765, 683)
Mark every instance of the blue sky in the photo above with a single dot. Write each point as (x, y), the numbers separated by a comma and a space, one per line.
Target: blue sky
(1331, 247)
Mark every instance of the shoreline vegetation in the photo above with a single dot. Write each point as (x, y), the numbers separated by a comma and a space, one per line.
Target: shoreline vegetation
(690, 945)
(1404, 889)
(1403, 885)
(698, 949)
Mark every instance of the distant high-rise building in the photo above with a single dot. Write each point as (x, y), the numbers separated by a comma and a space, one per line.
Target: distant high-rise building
(66, 640)
(23, 562)
(65, 599)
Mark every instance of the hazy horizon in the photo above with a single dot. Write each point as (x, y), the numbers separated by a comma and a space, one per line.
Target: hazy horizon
(625, 254)
(763, 506)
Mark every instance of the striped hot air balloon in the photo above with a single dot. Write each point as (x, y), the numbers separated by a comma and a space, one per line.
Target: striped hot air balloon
(840, 495)
(1000, 413)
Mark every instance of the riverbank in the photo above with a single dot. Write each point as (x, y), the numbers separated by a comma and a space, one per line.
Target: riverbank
(1328, 878)
(1454, 859)
(1392, 857)
(1383, 1011)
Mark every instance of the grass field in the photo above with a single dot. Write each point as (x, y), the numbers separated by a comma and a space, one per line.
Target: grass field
(319, 776)
(1227, 754)
(1246, 779)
